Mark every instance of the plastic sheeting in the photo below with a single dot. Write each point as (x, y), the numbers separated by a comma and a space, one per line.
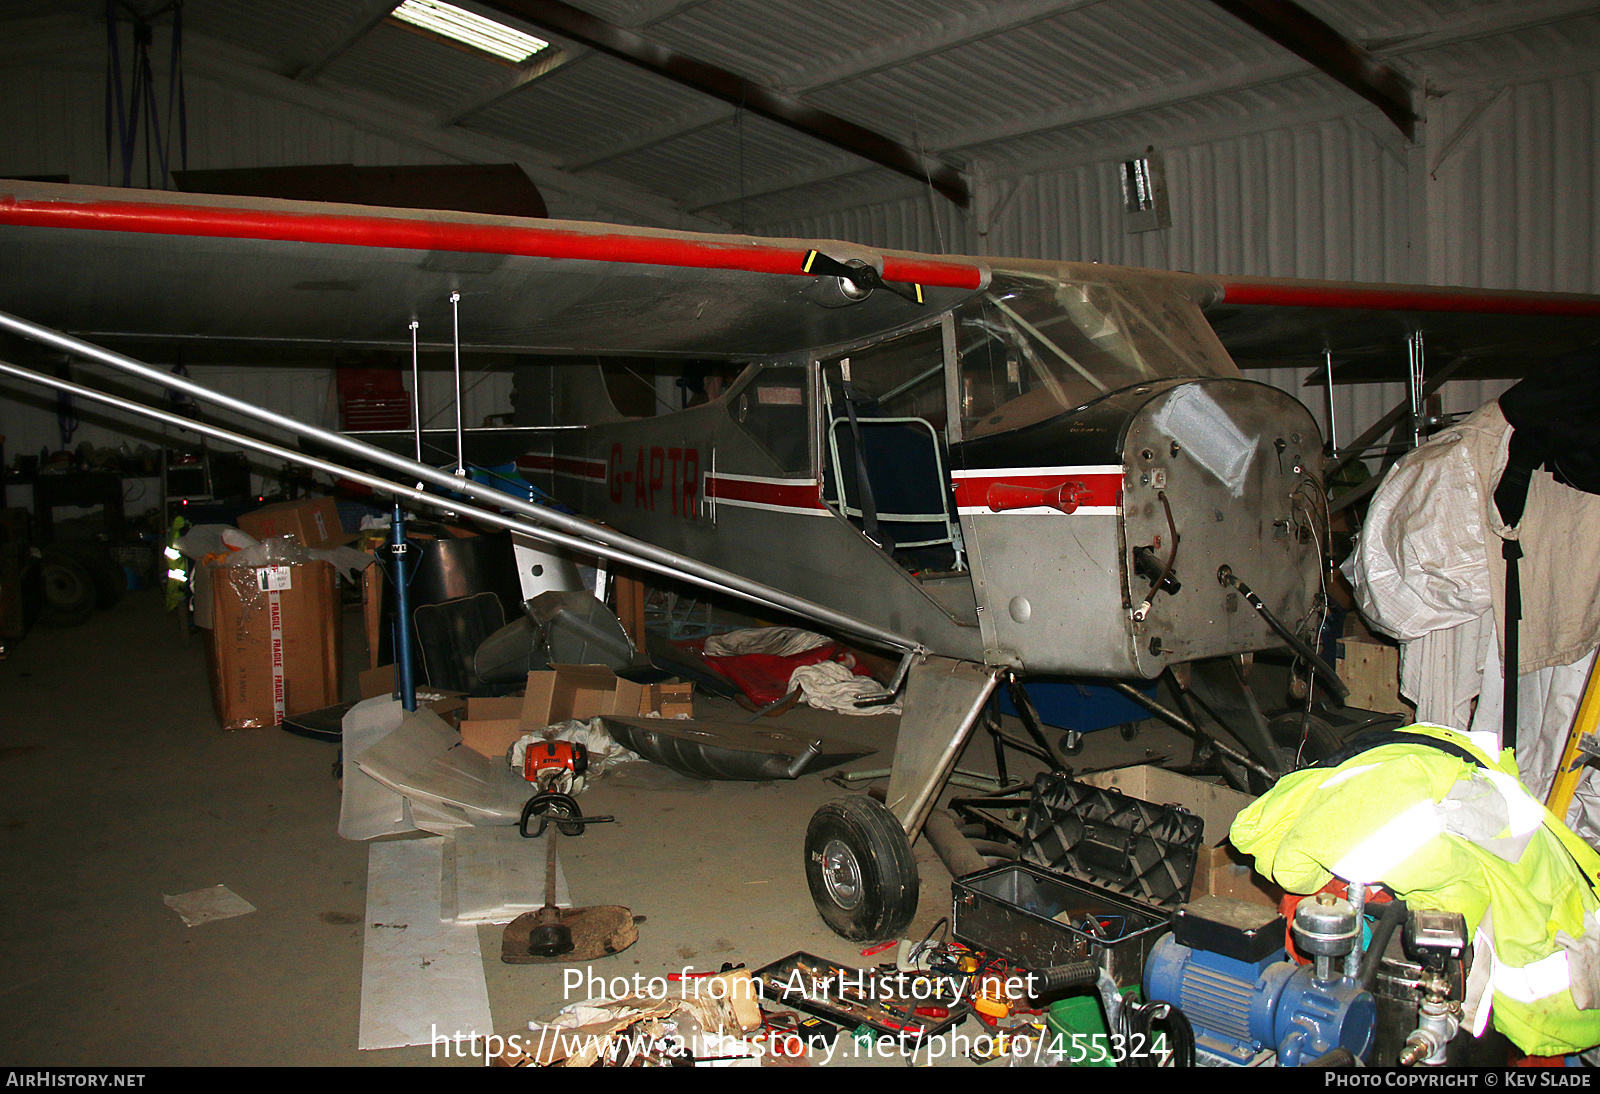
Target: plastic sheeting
(1427, 571)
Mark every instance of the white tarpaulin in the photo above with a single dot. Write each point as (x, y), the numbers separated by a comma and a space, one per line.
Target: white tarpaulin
(1427, 571)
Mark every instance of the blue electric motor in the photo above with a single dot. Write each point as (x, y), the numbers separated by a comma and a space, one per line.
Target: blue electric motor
(1225, 967)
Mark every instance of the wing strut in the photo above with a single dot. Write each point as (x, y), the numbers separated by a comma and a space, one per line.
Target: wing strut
(538, 523)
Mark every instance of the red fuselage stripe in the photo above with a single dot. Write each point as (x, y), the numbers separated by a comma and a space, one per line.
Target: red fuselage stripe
(1105, 490)
(783, 495)
(429, 235)
(1411, 299)
(564, 465)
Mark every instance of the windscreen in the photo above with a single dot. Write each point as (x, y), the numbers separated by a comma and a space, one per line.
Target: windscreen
(1031, 348)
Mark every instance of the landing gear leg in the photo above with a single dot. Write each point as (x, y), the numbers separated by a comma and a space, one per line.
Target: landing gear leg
(859, 865)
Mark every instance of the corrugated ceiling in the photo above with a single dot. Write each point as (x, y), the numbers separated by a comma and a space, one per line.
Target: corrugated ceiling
(987, 87)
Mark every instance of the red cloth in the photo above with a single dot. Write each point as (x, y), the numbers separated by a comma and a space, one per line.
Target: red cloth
(765, 679)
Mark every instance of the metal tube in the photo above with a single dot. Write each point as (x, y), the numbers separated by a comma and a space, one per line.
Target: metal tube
(469, 429)
(416, 394)
(1333, 418)
(483, 516)
(1313, 660)
(461, 442)
(1358, 900)
(626, 548)
(405, 653)
(1189, 728)
(542, 535)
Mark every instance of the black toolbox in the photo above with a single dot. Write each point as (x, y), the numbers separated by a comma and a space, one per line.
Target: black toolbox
(1100, 873)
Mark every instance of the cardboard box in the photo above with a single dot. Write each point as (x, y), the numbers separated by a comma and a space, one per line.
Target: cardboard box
(274, 644)
(670, 700)
(563, 693)
(493, 725)
(313, 522)
(445, 703)
(1220, 869)
(578, 691)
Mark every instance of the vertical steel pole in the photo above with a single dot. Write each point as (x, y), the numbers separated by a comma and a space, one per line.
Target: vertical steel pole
(461, 443)
(405, 675)
(1333, 418)
(416, 395)
(405, 670)
(1414, 388)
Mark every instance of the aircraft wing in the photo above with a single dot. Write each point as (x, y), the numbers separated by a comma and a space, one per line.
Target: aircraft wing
(120, 265)
(1277, 322)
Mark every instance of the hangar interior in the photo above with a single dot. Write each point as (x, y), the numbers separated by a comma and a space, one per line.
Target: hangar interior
(715, 290)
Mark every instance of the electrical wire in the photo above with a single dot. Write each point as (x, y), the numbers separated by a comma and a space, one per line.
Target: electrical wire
(1323, 562)
(1172, 558)
(1137, 1020)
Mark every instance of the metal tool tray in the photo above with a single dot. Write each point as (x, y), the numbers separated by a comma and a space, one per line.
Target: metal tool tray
(1088, 853)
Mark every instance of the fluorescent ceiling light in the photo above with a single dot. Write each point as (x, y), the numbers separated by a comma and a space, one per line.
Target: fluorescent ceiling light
(473, 30)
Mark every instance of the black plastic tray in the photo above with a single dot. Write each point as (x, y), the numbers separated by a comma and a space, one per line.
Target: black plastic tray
(1105, 838)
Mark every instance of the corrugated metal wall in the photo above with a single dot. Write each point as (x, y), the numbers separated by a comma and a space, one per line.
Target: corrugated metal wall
(1514, 204)
(56, 126)
(1516, 198)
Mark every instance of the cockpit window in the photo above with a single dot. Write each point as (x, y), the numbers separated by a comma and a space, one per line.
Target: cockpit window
(1031, 348)
(772, 403)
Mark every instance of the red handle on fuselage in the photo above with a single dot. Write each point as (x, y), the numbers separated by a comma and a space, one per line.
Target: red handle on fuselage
(1066, 496)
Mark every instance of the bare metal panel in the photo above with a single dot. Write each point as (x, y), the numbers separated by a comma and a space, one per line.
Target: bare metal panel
(1058, 610)
(1263, 515)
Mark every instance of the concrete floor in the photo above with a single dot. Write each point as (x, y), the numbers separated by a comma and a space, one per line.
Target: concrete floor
(117, 786)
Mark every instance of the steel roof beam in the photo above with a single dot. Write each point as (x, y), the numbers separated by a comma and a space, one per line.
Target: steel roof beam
(1308, 37)
(597, 34)
(348, 41)
(982, 25)
(537, 67)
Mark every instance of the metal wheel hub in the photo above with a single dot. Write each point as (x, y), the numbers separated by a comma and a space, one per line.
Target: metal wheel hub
(841, 874)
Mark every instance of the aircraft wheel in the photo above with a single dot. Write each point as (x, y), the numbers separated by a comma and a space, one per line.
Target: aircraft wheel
(69, 594)
(859, 866)
(109, 581)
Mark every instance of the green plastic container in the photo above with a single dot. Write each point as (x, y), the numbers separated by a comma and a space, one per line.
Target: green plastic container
(1077, 1031)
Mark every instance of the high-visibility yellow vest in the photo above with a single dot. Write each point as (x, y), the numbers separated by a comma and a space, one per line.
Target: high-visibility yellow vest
(177, 566)
(1447, 833)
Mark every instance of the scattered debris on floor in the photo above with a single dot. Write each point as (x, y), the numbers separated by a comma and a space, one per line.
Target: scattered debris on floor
(208, 905)
(702, 1020)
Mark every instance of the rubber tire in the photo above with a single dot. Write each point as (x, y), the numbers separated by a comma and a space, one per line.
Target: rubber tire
(68, 592)
(887, 871)
(109, 580)
(1321, 740)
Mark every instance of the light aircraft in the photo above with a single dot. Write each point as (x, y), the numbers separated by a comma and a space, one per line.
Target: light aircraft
(988, 467)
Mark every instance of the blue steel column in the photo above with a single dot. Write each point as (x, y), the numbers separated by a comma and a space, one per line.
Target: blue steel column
(404, 653)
